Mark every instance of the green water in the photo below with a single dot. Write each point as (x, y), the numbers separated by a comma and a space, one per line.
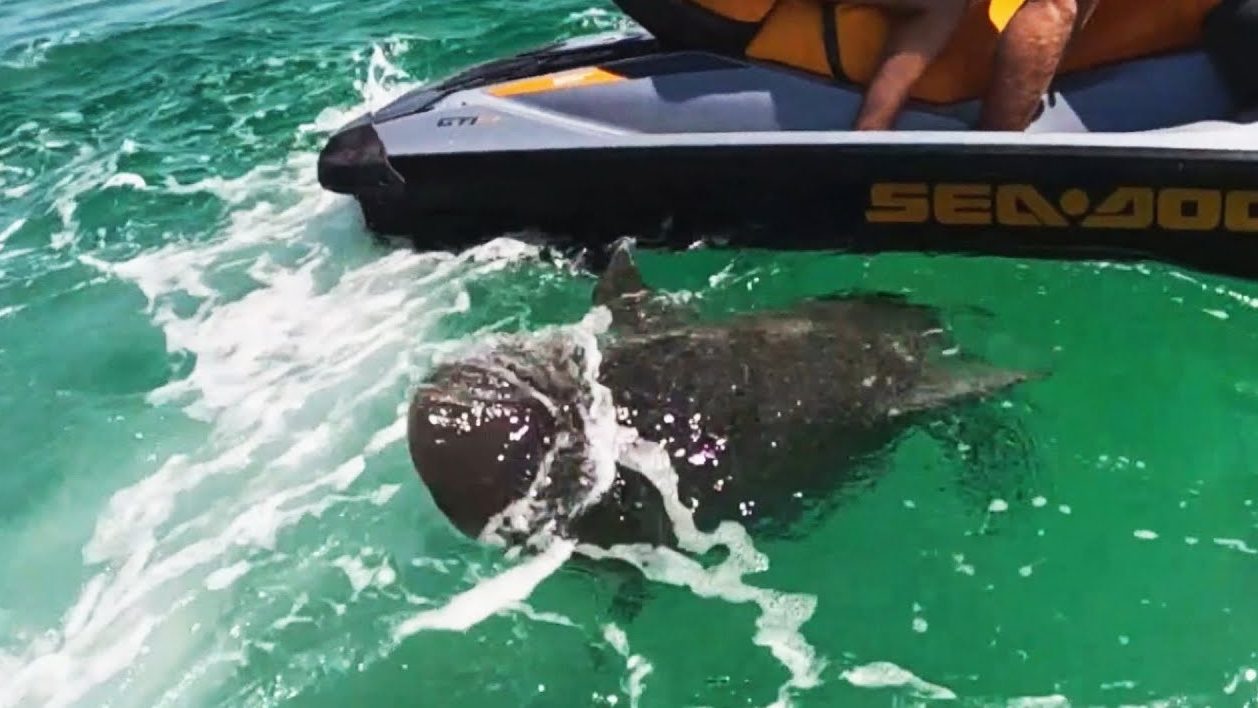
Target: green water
(205, 497)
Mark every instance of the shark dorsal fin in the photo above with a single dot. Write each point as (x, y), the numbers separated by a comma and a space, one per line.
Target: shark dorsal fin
(621, 278)
(635, 307)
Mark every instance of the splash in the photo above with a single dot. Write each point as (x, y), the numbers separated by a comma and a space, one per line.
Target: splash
(282, 406)
(1236, 544)
(9, 230)
(35, 51)
(507, 590)
(383, 82)
(638, 667)
(600, 19)
(607, 444)
(781, 614)
(301, 339)
(883, 674)
(489, 597)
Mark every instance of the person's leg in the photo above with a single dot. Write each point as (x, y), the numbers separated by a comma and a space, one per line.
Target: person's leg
(1231, 40)
(914, 42)
(1027, 57)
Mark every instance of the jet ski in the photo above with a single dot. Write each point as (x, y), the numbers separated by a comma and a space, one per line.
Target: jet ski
(616, 134)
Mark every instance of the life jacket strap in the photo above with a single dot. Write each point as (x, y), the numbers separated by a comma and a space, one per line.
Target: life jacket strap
(830, 37)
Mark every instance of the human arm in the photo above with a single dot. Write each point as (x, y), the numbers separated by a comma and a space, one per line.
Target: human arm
(914, 42)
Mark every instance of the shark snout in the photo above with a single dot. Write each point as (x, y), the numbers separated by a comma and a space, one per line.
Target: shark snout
(476, 446)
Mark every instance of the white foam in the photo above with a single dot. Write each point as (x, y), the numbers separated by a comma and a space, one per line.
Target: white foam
(10, 230)
(78, 616)
(1242, 298)
(514, 585)
(36, 51)
(297, 329)
(8, 664)
(489, 597)
(223, 578)
(1053, 701)
(601, 427)
(18, 191)
(1236, 545)
(114, 601)
(884, 674)
(389, 436)
(1145, 534)
(599, 19)
(961, 566)
(638, 667)
(381, 496)
(781, 614)
(361, 577)
(125, 179)
(717, 279)
(88, 170)
(547, 617)
(383, 82)
(56, 680)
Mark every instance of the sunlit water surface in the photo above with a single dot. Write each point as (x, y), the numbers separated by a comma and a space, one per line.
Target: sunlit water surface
(205, 496)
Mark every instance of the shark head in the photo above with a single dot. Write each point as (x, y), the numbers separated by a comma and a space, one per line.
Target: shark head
(503, 426)
(498, 437)
(477, 439)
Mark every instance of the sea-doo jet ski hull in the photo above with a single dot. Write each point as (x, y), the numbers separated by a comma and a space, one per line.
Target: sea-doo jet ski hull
(593, 139)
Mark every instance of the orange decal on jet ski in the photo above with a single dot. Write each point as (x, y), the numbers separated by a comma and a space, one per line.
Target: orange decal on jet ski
(1022, 205)
(574, 78)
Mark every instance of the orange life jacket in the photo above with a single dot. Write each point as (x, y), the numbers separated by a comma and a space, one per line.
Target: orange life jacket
(825, 38)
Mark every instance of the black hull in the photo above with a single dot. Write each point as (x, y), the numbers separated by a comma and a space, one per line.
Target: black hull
(456, 176)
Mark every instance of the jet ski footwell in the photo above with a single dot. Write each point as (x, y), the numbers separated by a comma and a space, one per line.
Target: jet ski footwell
(608, 136)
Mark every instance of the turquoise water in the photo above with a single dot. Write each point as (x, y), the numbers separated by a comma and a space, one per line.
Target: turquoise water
(206, 499)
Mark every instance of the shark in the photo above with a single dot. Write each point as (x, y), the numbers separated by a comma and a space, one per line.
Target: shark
(762, 414)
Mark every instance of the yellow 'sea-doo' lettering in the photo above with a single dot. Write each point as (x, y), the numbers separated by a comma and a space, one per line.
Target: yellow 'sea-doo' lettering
(1239, 213)
(963, 204)
(1190, 209)
(1023, 205)
(1124, 208)
(891, 203)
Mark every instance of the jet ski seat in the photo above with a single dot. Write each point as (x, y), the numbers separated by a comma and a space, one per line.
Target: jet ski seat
(1145, 94)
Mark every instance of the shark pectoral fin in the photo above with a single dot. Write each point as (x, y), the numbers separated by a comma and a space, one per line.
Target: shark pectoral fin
(941, 387)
